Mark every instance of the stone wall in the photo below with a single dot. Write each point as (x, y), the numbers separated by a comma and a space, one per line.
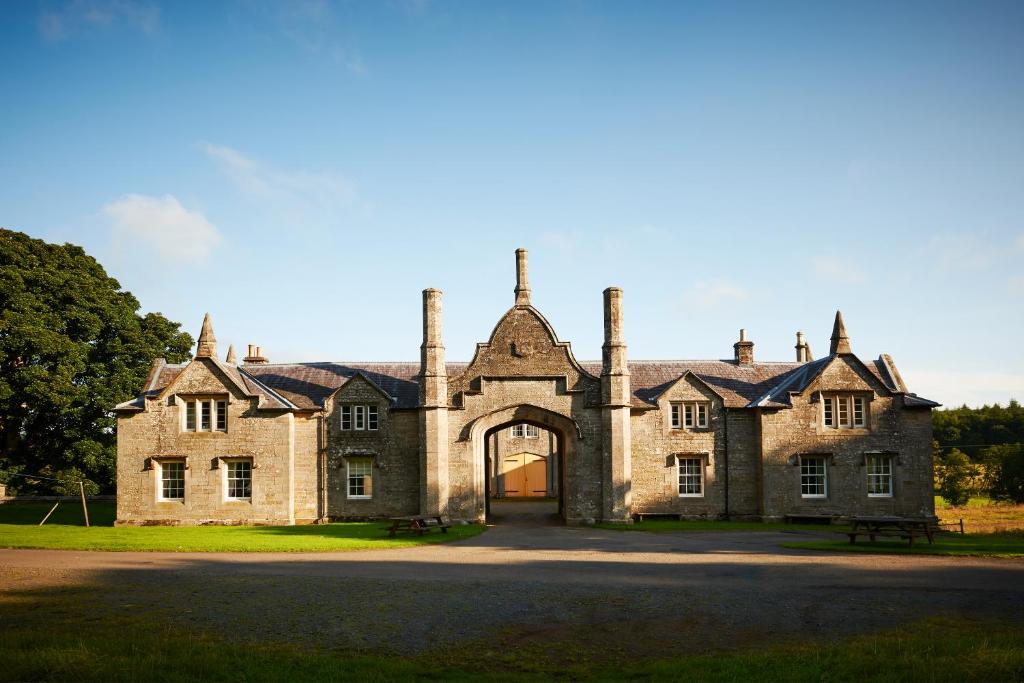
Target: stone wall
(393, 448)
(891, 428)
(147, 438)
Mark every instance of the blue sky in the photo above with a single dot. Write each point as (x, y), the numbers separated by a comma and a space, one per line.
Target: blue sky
(303, 170)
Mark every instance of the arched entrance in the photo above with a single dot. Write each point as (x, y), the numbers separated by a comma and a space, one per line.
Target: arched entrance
(566, 434)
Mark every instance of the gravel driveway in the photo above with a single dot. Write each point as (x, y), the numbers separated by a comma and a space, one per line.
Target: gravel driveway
(618, 592)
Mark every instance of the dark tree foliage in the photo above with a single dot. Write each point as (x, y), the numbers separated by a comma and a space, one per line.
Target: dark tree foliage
(973, 429)
(955, 474)
(72, 345)
(1007, 465)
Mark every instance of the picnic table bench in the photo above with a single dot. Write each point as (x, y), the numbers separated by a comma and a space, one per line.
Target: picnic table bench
(895, 527)
(417, 524)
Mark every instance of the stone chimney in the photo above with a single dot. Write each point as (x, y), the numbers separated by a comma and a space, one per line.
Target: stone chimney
(522, 283)
(744, 350)
(803, 349)
(434, 382)
(840, 340)
(613, 364)
(207, 346)
(231, 359)
(255, 356)
(616, 440)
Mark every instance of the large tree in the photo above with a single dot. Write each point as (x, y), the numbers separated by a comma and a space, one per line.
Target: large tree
(72, 345)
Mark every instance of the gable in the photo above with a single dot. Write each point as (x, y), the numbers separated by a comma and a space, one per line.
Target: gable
(203, 376)
(361, 388)
(523, 344)
(689, 387)
(847, 373)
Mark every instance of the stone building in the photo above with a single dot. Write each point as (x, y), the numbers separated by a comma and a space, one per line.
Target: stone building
(257, 442)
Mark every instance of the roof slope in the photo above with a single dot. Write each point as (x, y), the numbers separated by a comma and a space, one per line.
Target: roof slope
(306, 386)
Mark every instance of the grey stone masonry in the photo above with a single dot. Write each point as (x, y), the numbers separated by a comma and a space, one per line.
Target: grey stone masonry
(211, 441)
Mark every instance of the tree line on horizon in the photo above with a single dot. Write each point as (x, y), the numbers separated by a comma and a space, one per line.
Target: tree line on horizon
(979, 451)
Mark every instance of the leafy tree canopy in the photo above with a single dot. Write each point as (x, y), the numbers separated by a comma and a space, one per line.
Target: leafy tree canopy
(72, 345)
(973, 429)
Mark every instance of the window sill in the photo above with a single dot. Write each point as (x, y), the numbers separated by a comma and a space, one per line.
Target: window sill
(691, 495)
(880, 495)
(246, 501)
(813, 497)
(360, 497)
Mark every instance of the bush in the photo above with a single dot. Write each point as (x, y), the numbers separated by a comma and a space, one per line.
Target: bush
(956, 475)
(1007, 464)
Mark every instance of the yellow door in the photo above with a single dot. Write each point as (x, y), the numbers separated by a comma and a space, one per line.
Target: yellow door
(525, 474)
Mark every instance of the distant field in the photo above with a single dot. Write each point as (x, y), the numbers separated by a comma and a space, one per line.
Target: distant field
(982, 515)
(65, 530)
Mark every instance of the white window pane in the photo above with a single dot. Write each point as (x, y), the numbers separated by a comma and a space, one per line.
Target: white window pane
(676, 423)
(371, 418)
(346, 417)
(190, 416)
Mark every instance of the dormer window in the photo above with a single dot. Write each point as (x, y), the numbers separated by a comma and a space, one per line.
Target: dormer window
(690, 415)
(206, 415)
(360, 418)
(844, 411)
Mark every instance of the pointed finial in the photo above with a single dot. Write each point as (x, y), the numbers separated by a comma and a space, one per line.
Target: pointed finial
(522, 285)
(230, 359)
(840, 341)
(207, 346)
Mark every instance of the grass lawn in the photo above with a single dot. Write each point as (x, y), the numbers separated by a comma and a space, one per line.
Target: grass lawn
(121, 647)
(64, 530)
(982, 515)
(1006, 545)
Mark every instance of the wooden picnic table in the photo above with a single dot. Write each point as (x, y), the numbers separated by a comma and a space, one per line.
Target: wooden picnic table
(902, 527)
(417, 524)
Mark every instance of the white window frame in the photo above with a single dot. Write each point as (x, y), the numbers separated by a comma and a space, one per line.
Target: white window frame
(162, 467)
(806, 475)
(691, 414)
(230, 464)
(358, 467)
(518, 431)
(879, 467)
(360, 417)
(685, 474)
(204, 414)
(844, 411)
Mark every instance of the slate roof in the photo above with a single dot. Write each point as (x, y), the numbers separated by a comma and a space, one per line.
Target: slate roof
(306, 386)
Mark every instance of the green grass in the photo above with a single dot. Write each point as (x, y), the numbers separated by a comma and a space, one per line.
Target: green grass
(130, 649)
(666, 525)
(64, 531)
(1005, 545)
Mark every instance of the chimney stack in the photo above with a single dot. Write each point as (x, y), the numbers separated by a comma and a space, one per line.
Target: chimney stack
(522, 283)
(231, 359)
(744, 350)
(803, 349)
(614, 350)
(255, 356)
(434, 384)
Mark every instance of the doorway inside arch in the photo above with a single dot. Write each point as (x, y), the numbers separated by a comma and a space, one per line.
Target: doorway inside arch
(525, 474)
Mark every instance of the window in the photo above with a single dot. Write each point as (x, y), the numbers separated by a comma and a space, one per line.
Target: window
(843, 411)
(879, 476)
(360, 478)
(525, 431)
(691, 477)
(239, 479)
(813, 477)
(690, 414)
(172, 480)
(212, 414)
(360, 418)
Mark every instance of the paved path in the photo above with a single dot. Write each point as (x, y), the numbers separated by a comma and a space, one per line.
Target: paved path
(681, 591)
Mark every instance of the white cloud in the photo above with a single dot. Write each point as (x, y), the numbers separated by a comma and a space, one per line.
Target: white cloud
(314, 26)
(293, 191)
(163, 225)
(835, 270)
(710, 293)
(953, 389)
(957, 252)
(78, 16)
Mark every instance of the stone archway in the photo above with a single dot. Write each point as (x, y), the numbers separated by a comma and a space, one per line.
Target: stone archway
(566, 431)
